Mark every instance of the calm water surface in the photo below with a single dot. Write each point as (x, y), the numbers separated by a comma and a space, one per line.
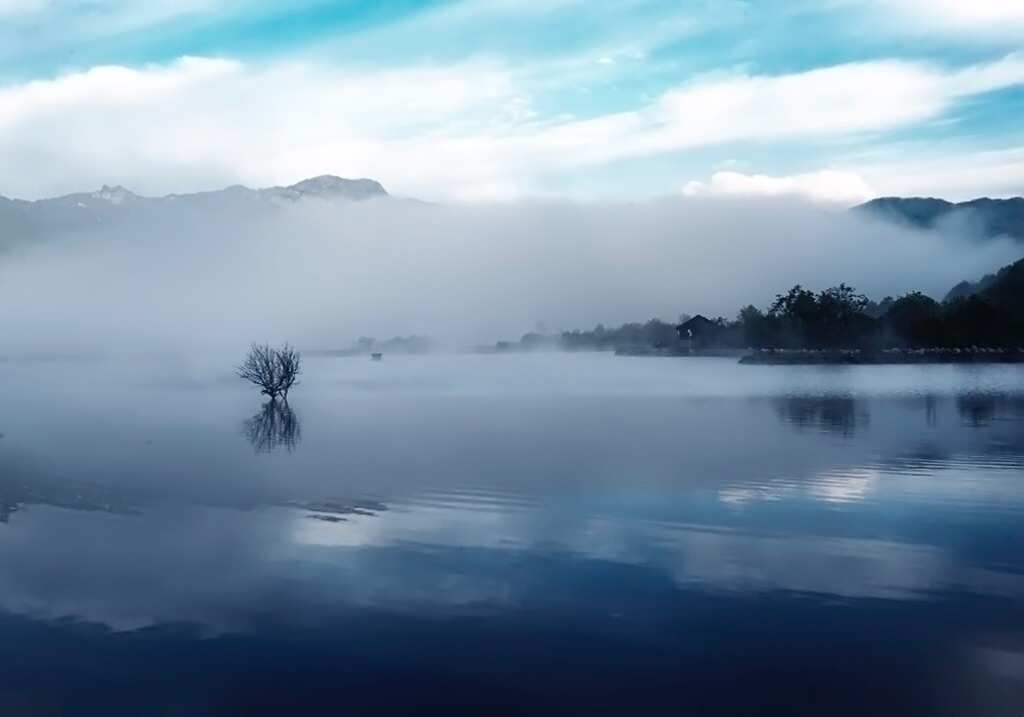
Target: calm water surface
(512, 534)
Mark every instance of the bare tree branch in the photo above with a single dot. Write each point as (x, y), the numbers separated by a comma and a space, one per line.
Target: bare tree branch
(274, 371)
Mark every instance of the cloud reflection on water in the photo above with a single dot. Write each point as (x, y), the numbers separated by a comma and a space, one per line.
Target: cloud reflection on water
(802, 483)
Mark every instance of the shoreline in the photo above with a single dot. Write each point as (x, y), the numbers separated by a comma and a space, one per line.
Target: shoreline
(807, 357)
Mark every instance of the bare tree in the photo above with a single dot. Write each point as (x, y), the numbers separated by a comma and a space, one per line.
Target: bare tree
(289, 366)
(275, 371)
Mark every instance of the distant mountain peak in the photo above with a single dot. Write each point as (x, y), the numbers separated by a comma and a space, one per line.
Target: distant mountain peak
(115, 195)
(325, 186)
(328, 186)
(20, 219)
(992, 217)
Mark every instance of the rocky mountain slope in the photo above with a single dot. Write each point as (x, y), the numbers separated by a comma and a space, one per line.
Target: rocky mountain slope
(21, 219)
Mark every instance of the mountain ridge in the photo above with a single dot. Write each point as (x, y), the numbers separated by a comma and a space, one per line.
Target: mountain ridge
(990, 217)
(324, 185)
(22, 219)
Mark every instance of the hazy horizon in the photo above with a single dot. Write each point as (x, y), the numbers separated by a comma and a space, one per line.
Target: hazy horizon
(320, 274)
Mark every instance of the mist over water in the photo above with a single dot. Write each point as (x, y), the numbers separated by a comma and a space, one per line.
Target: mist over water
(507, 527)
(202, 277)
(290, 441)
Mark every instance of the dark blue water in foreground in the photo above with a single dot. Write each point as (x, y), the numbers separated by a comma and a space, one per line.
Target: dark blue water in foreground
(513, 535)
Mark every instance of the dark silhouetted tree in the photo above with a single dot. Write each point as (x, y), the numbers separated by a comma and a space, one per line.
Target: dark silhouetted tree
(915, 320)
(757, 329)
(274, 371)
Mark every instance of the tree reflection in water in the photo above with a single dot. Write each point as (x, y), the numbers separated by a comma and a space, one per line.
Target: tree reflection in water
(275, 426)
(979, 409)
(831, 414)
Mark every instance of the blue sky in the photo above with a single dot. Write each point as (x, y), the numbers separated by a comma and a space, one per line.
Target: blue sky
(496, 99)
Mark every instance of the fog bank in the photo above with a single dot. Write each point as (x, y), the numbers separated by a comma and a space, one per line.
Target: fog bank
(213, 277)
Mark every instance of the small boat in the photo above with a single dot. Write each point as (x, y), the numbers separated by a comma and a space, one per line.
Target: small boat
(377, 356)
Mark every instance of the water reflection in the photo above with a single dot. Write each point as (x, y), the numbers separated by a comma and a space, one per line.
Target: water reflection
(976, 409)
(831, 414)
(339, 511)
(931, 414)
(980, 409)
(275, 426)
(648, 530)
(18, 488)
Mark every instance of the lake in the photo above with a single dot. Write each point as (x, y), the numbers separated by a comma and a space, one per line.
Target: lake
(539, 534)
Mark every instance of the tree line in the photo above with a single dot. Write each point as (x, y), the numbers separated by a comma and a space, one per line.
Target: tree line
(840, 317)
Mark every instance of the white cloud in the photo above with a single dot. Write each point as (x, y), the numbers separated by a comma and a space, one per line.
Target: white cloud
(64, 30)
(996, 173)
(826, 185)
(208, 121)
(833, 101)
(465, 130)
(11, 8)
(116, 13)
(990, 16)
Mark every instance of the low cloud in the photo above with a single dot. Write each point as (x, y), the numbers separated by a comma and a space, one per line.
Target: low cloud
(845, 188)
(1000, 172)
(219, 275)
